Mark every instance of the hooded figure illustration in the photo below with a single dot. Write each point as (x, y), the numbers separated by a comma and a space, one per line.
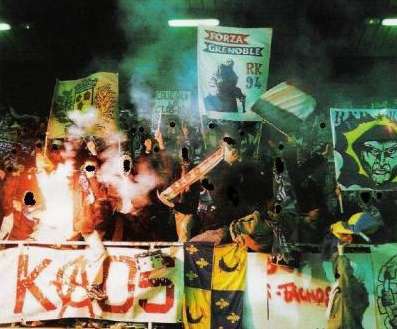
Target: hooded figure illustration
(377, 149)
(372, 146)
(227, 93)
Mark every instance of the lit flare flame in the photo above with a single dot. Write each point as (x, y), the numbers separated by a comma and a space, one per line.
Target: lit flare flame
(56, 216)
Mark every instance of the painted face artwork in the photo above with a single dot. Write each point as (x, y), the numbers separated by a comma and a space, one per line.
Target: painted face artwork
(366, 150)
(379, 160)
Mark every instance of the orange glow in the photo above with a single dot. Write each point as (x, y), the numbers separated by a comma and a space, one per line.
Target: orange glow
(56, 216)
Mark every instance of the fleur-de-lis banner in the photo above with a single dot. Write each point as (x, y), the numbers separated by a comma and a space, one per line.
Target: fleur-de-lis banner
(214, 286)
(365, 148)
(97, 92)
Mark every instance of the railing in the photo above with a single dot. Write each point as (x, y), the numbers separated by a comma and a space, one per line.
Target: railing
(153, 244)
(83, 243)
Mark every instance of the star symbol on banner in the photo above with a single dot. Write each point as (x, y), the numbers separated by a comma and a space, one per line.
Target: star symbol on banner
(191, 276)
(202, 263)
(191, 249)
(221, 303)
(233, 317)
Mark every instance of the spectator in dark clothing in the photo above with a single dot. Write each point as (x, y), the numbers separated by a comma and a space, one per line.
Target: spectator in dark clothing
(231, 191)
(311, 201)
(186, 203)
(150, 219)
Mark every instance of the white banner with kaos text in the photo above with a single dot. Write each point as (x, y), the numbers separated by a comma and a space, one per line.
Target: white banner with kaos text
(42, 283)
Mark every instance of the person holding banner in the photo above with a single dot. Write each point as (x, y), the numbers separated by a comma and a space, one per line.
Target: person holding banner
(150, 217)
(232, 190)
(186, 203)
(348, 298)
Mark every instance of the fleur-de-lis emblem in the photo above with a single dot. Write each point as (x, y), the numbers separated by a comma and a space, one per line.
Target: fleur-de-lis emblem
(191, 276)
(233, 317)
(202, 263)
(191, 249)
(221, 303)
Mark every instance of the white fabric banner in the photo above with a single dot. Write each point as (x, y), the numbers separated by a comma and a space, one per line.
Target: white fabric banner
(42, 284)
(233, 67)
(281, 298)
(171, 103)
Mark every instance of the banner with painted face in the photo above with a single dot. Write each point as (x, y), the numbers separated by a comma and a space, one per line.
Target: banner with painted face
(42, 284)
(384, 259)
(365, 148)
(98, 92)
(233, 67)
(279, 297)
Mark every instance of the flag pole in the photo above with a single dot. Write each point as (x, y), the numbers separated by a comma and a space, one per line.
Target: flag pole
(202, 131)
(259, 141)
(49, 119)
(277, 128)
(340, 200)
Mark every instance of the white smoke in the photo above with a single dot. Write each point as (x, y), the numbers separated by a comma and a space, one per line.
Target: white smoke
(82, 122)
(128, 187)
(142, 96)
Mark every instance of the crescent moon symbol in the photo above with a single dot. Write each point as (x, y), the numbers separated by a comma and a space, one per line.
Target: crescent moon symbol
(190, 317)
(226, 268)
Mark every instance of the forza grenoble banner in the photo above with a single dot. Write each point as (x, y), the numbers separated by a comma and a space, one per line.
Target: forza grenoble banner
(233, 66)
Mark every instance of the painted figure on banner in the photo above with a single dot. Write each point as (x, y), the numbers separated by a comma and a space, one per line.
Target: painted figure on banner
(226, 92)
(232, 70)
(366, 149)
(387, 291)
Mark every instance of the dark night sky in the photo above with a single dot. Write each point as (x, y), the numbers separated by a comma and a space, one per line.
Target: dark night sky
(327, 46)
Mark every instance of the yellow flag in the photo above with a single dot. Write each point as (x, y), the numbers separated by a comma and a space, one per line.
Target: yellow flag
(229, 267)
(97, 92)
(197, 310)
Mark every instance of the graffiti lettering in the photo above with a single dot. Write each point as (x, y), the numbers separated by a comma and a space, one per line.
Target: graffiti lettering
(146, 281)
(272, 268)
(292, 293)
(26, 282)
(71, 284)
(227, 37)
(341, 116)
(131, 264)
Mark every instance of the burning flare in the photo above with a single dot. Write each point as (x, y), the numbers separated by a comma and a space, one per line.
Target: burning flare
(56, 216)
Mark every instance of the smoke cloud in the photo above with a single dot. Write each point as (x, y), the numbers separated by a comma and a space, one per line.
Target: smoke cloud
(159, 57)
